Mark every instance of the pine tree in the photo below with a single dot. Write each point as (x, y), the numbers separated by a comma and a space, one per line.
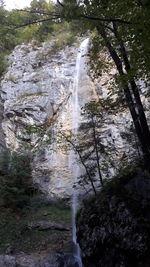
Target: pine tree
(93, 153)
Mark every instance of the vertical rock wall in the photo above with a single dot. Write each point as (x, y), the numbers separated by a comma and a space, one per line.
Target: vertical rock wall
(37, 94)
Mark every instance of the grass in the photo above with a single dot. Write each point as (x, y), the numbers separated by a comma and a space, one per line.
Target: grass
(15, 235)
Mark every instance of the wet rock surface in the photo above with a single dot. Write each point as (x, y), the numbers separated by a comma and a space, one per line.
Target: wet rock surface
(114, 229)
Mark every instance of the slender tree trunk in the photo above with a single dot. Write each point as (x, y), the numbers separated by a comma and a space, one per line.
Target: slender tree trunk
(139, 105)
(135, 90)
(86, 169)
(82, 162)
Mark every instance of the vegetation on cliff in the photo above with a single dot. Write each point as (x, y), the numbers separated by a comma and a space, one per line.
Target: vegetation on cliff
(16, 186)
(33, 23)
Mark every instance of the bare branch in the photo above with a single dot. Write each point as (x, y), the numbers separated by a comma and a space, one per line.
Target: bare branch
(33, 22)
(75, 148)
(58, 2)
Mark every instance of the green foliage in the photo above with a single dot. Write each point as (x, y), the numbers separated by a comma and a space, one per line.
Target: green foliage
(7, 39)
(16, 185)
(24, 26)
(2, 63)
(28, 33)
(38, 11)
(63, 39)
(135, 35)
(49, 27)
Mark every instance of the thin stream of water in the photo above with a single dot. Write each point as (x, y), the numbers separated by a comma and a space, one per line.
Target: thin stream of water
(75, 125)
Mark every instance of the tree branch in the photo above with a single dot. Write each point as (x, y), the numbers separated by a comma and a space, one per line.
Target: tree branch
(58, 2)
(32, 22)
(100, 19)
(75, 148)
(106, 20)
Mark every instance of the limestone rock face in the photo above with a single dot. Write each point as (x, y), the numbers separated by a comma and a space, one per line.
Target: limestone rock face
(37, 93)
(36, 90)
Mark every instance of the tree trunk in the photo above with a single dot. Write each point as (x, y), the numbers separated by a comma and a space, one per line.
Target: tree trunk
(129, 99)
(82, 162)
(135, 90)
(139, 105)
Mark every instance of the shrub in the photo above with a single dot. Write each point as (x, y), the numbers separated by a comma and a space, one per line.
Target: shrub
(63, 39)
(16, 184)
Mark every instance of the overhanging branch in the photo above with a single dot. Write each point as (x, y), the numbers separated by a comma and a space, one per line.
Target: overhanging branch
(33, 22)
(58, 2)
(106, 20)
(100, 19)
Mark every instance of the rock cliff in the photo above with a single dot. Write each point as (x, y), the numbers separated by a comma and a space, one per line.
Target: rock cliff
(37, 92)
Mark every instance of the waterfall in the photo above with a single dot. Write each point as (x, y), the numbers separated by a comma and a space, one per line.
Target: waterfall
(75, 125)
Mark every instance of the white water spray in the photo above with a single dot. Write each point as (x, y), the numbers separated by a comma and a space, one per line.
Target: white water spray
(75, 125)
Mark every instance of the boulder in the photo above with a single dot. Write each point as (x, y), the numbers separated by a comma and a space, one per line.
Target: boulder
(114, 228)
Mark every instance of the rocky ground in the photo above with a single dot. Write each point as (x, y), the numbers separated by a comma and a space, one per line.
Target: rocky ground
(39, 235)
(114, 227)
